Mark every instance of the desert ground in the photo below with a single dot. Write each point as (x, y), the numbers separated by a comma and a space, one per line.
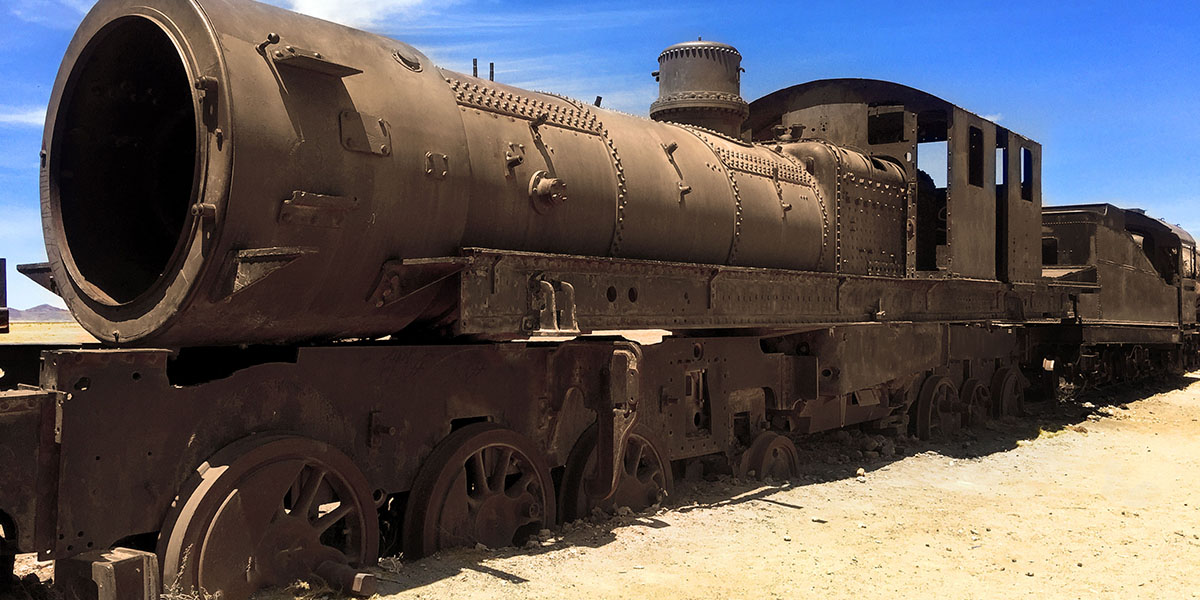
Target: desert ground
(23, 332)
(1096, 497)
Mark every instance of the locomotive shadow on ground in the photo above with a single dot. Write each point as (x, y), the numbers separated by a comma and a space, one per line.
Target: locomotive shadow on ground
(1047, 417)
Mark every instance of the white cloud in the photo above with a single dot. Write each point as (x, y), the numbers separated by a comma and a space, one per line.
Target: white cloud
(22, 116)
(63, 14)
(359, 13)
(994, 118)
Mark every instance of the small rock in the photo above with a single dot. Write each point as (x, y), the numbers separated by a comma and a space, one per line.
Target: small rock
(532, 543)
(862, 525)
(869, 443)
(624, 511)
(841, 436)
(480, 547)
(1029, 573)
(860, 472)
(787, 538)
(638, 567)
(819, 520)
(545, 534)
(861, 479)
(870, 454)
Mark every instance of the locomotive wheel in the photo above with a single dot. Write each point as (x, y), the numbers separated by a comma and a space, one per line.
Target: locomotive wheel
(269, 510)
(482, 484)
(1008, 397)
(977, 403)
(645, 477)
(937, 409)
(770, 455)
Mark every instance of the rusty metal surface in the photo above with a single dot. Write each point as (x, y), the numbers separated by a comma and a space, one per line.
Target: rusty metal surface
(26, 416)
(699, 83)
(268, 510)
(485, 164)
(498, 296)
(117, 574)
(986, 218)
(1133, 259)
(348, 188)
(343, 396)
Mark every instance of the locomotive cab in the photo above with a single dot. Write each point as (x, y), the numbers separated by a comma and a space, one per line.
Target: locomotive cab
(974, 200)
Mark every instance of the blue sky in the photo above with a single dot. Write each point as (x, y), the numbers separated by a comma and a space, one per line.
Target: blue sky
(1111, 89)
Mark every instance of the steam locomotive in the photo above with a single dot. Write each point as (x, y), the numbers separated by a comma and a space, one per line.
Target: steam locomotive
(349, 303)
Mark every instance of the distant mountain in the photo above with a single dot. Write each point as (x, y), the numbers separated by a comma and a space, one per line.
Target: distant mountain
(40, 314)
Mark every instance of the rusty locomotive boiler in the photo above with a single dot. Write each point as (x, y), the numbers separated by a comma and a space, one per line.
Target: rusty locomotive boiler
(350, 304)
(193, 170)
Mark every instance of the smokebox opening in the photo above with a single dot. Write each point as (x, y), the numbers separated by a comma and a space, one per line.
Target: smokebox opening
(125, 148)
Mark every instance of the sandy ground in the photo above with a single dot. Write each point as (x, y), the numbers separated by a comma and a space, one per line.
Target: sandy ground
(22, 332)
(1093, 500)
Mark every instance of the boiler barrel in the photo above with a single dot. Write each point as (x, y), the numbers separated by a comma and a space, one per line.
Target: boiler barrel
(228, 172)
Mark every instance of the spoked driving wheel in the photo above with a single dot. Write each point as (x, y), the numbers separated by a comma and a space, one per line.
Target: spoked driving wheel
(1008, 393)
(770, 455)
(483, 484)
(937, 409)
(644, 480)
(976, 401)
(267, 511)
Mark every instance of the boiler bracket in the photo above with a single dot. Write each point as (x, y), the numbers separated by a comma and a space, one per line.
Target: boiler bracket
(399, 279)
(551, 308)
